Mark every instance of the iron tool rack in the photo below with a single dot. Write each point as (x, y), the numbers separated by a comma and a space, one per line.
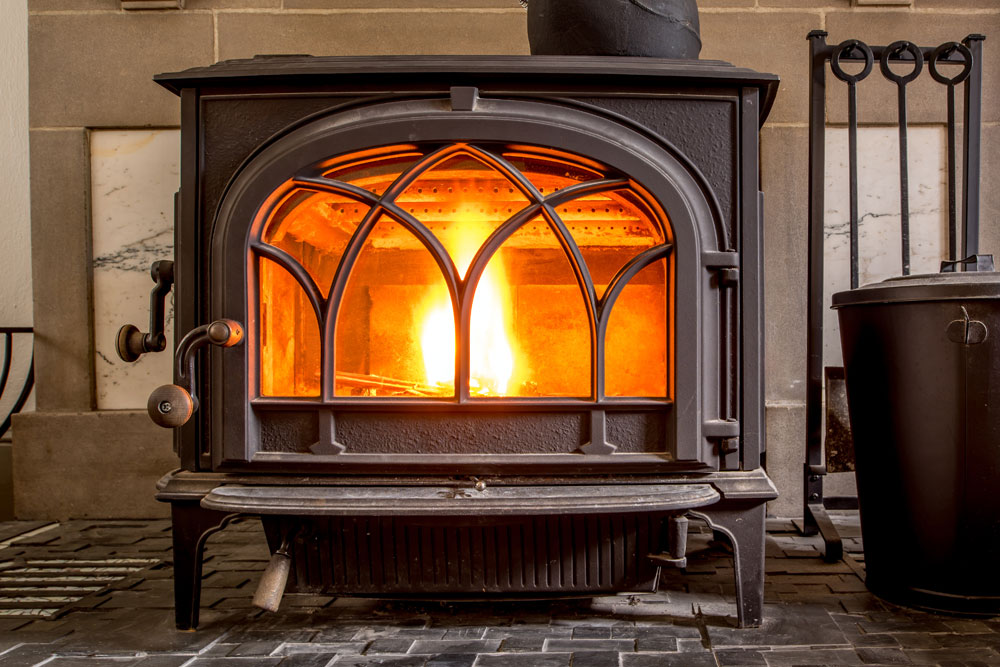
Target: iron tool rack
(963, 239)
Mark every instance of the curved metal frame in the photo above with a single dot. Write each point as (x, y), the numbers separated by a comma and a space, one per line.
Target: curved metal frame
(659, 178)
(461, 290)
(29, 380)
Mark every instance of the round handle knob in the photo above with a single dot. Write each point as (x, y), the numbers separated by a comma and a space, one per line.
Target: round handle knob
(129, 343)
(225, 333)
(170, 406)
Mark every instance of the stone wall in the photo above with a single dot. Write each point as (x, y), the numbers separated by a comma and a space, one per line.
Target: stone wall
(103, 165)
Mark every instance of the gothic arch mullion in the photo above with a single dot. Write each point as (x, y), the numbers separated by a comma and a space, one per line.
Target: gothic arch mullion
(468, 291)
(337, 287)
(290, 264)
(339, 188)
(505, 168)
(586, 284)
(572, 192)
(426, 163)
(433, 245)
(618, 283)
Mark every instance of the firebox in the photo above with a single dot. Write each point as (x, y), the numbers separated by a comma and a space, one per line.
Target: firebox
(470, 325)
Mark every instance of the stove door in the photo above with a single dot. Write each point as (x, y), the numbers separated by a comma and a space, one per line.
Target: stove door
(515, 287)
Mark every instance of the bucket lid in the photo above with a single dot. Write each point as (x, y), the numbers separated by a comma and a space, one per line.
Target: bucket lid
(924, 287)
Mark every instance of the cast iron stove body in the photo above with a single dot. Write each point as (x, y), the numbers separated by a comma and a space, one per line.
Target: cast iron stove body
(503, 320)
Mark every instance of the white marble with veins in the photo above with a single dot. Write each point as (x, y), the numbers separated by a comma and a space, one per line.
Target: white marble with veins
(134, 174)
(879, 250)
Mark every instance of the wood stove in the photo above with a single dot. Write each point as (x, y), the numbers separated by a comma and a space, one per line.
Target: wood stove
(471, 325)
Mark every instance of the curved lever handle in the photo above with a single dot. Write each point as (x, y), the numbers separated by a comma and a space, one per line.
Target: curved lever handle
(132, 343)
(171, 405)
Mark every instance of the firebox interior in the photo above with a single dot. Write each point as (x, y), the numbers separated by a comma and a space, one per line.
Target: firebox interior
(461, 272)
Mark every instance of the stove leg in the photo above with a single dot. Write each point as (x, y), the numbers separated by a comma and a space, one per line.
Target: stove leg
(744, 526)
(191, 527)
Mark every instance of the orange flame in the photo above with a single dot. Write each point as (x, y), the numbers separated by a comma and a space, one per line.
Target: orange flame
(491, 353)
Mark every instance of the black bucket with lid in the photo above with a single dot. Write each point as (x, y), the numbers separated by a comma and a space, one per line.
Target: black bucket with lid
(922, 363)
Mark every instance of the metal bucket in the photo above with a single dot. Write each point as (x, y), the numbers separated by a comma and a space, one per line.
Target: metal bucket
(922, 361)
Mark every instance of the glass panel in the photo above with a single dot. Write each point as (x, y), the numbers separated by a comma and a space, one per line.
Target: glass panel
(395, 292)
(610, 228)
(314, 228)
(549, 333)
(636, 338)
(462, 201)
(374, 170)
(289, 336)
(553, 170)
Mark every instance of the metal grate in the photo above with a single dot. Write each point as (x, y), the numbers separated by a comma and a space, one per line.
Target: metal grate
(42, 587)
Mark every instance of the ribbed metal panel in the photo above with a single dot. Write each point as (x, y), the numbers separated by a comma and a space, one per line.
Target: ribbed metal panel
(555, 554)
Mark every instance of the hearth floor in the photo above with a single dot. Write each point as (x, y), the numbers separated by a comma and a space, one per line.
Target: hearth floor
(86, 593)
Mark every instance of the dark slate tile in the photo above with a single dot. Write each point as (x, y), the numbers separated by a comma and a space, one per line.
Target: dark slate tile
(824, 657)
(596, 659)
(163, 661)
(452, 660)
(874, 641)
(389, 645)
(527, 660)
(784, 625)
(293, 648)
(591, 632)
(307, 660)
(658, 644)
(252, 648)
(956, 655)
(577, 645)
(739, 658)
(529, 643)
(436, 646)
(882, 656)
(234, 662)
(380, 661)
(465, 633)
(667, 660)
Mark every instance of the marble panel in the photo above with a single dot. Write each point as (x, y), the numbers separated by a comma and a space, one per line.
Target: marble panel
(134, 174)
(879, 250)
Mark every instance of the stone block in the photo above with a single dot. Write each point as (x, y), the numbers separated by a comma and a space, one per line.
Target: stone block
(784, 174)
(805, 4)
(925, 97)
(232, 4)
(89, 465)
(364, 33)
(786, 433)
(989, 201)
(957, 4)
(96, 70)
(57, 5)
(61, 274)
(706, 4)
(400, 4)
(769, 42)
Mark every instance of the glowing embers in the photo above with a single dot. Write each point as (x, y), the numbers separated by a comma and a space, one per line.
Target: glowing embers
(290, 343)
(491, 354)
(636, 343)
(454, 271)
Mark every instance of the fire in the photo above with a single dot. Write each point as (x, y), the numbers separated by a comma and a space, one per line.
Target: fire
(491, 353)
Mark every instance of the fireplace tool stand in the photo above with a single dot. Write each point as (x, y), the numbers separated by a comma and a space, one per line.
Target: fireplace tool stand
(963, 239)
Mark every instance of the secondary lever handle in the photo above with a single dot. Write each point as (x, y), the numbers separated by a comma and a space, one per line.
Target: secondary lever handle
(171, 405)
(132, 343)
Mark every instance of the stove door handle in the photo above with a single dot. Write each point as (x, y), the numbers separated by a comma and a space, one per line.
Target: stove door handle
(171, 405)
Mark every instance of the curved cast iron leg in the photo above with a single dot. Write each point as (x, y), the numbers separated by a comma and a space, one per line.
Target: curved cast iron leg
(192, 526)
(743, 524)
